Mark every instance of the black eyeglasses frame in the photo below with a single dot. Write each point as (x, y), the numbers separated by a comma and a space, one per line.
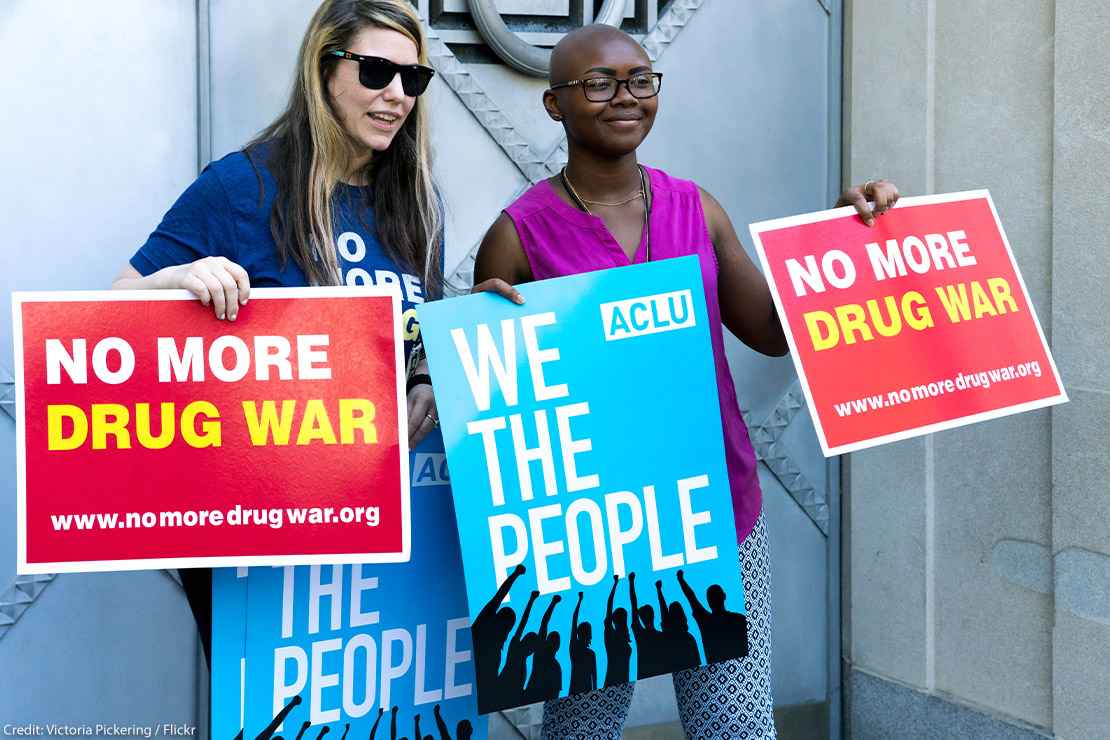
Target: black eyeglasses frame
(658, 87)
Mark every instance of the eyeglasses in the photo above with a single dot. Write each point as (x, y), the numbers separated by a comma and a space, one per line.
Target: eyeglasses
(604, 89)
(376, 73)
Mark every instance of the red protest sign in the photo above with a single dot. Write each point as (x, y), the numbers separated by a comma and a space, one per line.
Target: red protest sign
(151, 435)
(918, 324)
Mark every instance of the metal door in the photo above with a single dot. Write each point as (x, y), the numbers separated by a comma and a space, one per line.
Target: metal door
(99, 137)
(750, 109)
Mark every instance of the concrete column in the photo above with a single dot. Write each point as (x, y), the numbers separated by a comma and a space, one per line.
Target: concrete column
(1081, 430)
(949, 537)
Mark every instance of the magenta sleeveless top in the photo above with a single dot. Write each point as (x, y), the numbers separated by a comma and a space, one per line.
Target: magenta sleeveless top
(559, 239)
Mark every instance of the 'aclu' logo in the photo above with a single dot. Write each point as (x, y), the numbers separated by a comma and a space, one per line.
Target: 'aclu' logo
(429, 469)
(650, 314)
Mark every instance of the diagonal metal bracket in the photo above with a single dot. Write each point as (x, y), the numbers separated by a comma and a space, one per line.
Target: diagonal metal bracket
(671, 23)
(15, 601)
(773, 452)
(7, 392)
(482, 106)
(22, 593)
(26, 589)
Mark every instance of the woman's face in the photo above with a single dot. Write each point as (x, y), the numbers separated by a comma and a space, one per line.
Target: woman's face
(615, 127)
(372, 117)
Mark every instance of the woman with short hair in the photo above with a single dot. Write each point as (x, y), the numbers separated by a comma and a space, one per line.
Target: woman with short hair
(606, 210)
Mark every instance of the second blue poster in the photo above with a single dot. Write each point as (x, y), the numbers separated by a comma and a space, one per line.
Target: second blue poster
(379, 651)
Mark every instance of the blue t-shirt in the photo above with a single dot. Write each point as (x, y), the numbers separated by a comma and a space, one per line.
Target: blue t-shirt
(226, 213)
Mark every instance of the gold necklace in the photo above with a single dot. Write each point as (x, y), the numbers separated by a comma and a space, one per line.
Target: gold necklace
(645, 230)
(638, 194)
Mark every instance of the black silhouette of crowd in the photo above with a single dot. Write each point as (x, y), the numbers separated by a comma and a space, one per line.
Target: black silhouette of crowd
(502, 670)
(502, 654)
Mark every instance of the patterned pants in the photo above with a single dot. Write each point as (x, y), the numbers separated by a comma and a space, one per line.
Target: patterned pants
(724, 701)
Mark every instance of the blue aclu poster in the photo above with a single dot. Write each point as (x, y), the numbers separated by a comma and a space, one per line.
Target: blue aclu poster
(583, 432)
(377, 651)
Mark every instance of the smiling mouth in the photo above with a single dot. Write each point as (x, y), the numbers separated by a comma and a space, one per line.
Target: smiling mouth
(383, 120)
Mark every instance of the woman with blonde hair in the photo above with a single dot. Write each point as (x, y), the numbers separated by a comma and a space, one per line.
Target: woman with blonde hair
(337, 190)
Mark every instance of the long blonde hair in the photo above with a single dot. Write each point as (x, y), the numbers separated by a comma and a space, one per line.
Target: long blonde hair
(309, 152)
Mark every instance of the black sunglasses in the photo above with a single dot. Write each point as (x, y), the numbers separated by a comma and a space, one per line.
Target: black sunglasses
(376, 73)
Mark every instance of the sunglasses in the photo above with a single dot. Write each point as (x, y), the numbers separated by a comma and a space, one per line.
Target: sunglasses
(376, 73)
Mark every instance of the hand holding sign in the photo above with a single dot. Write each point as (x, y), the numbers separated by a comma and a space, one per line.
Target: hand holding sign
(501, 288)
(213, 280)
(884, 194)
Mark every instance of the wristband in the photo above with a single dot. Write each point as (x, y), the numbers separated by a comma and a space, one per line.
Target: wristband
(418, 379)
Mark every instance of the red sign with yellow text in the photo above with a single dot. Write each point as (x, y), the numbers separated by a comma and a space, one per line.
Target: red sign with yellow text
(917, 324)
(151, 435)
